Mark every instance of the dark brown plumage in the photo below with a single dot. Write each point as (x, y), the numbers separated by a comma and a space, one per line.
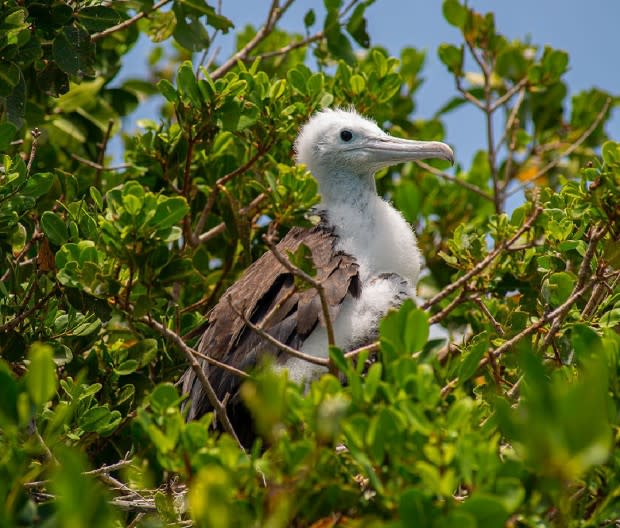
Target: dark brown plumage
(265, 284)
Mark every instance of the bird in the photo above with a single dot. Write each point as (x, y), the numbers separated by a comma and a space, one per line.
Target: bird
(364, 252)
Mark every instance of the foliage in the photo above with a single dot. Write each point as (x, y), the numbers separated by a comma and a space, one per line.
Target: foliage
(512, 418)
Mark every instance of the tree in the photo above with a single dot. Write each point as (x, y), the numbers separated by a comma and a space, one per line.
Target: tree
(108, 272)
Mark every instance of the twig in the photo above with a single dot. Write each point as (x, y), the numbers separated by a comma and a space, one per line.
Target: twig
(179, 341)
(569, 150)
(221, 414)
(512, 117)
(221, 227)
(484, 262)
(126, 23)
(98, 166)
(217, 187)
(317, 285)
(466, 94)
(460, 299)
(275, 342)
(275, 13)
(506, 97)
(36, 133)
(288, 48)
(453, 179)
(485, 310)
(102, 149)
(538, 324)
(584, 271)
(10, 325)
(372, 347)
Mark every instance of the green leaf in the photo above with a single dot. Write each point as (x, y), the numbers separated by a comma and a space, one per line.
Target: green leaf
(54, 228)
(488, 510)
(41, 380)
(169, 212)
(98, 18)
(168, 90)
(38, 184)
(73, 51)
(416, 330)
(188, 86)
(455, 13)
(611, 153)
(163, 397)
(475, 352)
(452, 57)
(558, 287)
(7, 133)
(9, 77)
(309, 18)
(356, 26)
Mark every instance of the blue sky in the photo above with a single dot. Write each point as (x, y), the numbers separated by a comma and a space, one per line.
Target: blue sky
(587, 30)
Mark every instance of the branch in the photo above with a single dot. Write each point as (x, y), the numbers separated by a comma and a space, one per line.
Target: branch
(99, 166)
(506, 97)
(275, 13)
(450, 178)
(484, 262)
(569, 150)
(102, 149)
(275, 342)
(126, 23)
(195, 238)
(290, 47)
(220, 410)
(221, 227)
(36, 133)
(532, 328)
(466, 94)
(10, 325)
(310, 280)
(584, 271)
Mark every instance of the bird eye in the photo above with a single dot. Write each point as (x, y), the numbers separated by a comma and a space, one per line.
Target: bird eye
(346, 135)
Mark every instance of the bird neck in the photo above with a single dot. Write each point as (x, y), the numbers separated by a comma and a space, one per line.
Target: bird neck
(348, 190)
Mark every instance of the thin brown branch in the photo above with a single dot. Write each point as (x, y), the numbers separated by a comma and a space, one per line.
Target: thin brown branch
(463, 91)
(98, 166)
(507, 96)
(484, 262)
(465, 184)
(220, 410)
(10, 325)
(510, 122)
(195, 238)
(439, 316)
(288, 48)
(538, 324)
(485, 310)
(36, 133)
(275, 342)
(102, 148)
(567, 152)
(250, 209)
(584, 273)
(275, 13)
(327, 320)
(126, 23)
(186, 348)
(372, 347)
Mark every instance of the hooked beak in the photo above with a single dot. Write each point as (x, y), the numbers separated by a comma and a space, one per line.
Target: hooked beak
(388, 150)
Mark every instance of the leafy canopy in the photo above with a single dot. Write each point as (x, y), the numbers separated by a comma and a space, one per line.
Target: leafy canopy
(108, 272)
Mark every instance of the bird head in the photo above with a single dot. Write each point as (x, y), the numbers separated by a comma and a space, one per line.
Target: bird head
(336, 144)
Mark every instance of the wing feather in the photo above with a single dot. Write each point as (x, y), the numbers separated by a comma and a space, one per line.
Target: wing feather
(267, 287)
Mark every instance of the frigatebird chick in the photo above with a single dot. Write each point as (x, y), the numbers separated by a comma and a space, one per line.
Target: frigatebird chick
(364, 251)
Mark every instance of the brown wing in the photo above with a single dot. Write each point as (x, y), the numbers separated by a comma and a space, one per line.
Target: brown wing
(267, 288)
